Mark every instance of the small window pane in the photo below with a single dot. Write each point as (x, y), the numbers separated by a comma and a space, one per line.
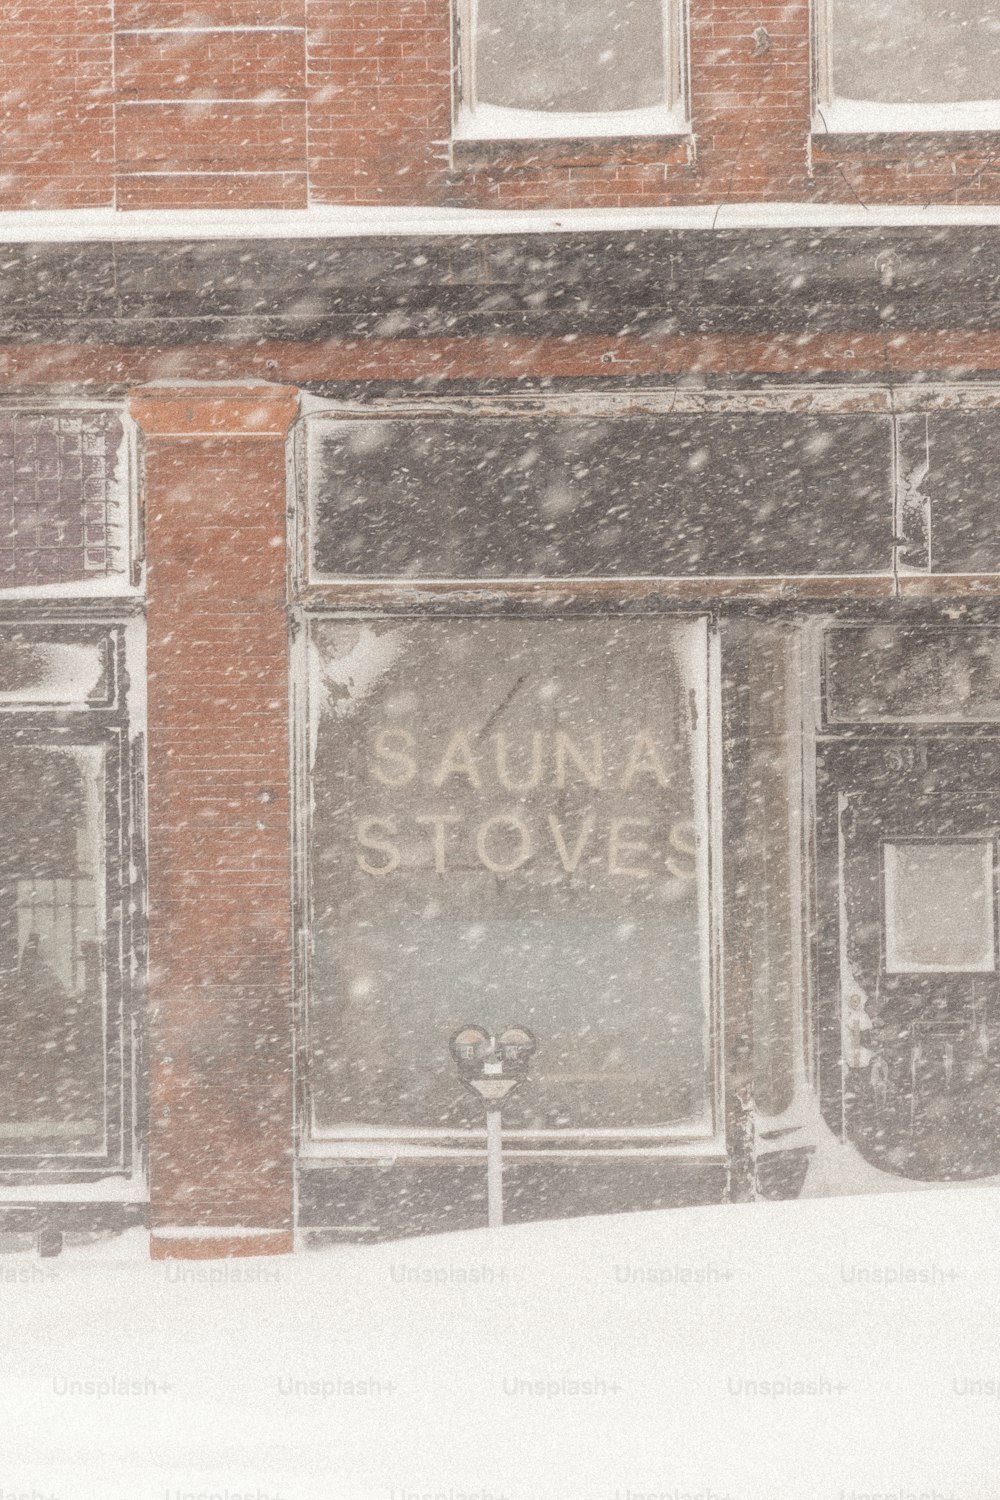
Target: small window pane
(916, 51)
(885, 673)
(570, 55)
(939, 907)
(64, 480)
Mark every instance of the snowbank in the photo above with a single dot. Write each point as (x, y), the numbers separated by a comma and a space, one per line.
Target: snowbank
(836, 1348)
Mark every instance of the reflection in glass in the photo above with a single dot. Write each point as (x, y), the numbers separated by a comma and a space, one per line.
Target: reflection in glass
(570, 55)
(939, 907)
(915, 51)
(52, 930)
(922, 674)
(509, 827)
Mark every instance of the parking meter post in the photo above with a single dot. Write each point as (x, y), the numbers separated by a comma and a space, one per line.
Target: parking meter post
(493, 1067)
(494, 1169)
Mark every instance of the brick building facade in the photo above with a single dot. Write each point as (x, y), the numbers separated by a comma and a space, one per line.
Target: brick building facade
(459, 565)
(242, 104)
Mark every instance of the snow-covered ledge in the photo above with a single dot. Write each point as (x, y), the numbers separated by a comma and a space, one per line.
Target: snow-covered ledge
(871, 117)
(58, 225)
(495, 122)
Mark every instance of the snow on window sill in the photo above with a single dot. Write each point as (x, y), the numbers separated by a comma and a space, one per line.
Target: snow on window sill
(115, 1188)
(98, 586)
(869, 117)
(494, 122)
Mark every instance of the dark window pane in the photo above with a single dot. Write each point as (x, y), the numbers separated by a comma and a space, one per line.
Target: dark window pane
(509, 826)
(916, 51)
(63, 497)
(568, 497)
(572, 55)
(52, 933)
(962, 485)
(891, 672)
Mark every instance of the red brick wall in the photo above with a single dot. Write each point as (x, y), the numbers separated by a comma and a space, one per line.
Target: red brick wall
(379, 75)
(56, 104)
(750, 114)
(907, 169)
(238, 103)
(220, 1055)
(210, 104)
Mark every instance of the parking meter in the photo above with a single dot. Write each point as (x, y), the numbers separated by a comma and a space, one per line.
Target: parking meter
(470, 1047)
(517, 1046)
(492, 1067)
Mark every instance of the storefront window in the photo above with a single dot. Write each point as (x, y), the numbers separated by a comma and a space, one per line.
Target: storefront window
(509, 825)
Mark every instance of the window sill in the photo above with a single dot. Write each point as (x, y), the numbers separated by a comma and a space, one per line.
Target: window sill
(869, 117)
(492, 122)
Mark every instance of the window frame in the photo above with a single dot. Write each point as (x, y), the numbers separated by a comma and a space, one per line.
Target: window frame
(699, 1135)
(475, 122)
(104, 726)
(874, 117)
(104, 608)
(315, 599)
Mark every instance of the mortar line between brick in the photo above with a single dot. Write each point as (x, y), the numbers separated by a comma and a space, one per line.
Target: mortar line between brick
(231, 172)
(198, 30)
(201, 103)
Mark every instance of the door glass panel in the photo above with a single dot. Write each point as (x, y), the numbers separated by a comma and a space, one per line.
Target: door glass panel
(52, 935)
(939, 907)
(509, 826)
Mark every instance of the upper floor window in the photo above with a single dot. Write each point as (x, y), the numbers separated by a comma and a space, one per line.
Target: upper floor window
(908, 65)
(537, 68)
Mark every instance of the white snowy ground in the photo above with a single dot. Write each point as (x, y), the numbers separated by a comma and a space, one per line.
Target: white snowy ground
(603, 1359)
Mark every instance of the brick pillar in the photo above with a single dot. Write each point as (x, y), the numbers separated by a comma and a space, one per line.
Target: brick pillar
(220, 1044)
(750, 100)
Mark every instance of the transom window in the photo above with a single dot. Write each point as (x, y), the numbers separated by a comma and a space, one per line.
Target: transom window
(908, 65)
(536, 68)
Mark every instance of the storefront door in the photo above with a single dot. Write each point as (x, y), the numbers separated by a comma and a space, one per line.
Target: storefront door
(908, 815)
